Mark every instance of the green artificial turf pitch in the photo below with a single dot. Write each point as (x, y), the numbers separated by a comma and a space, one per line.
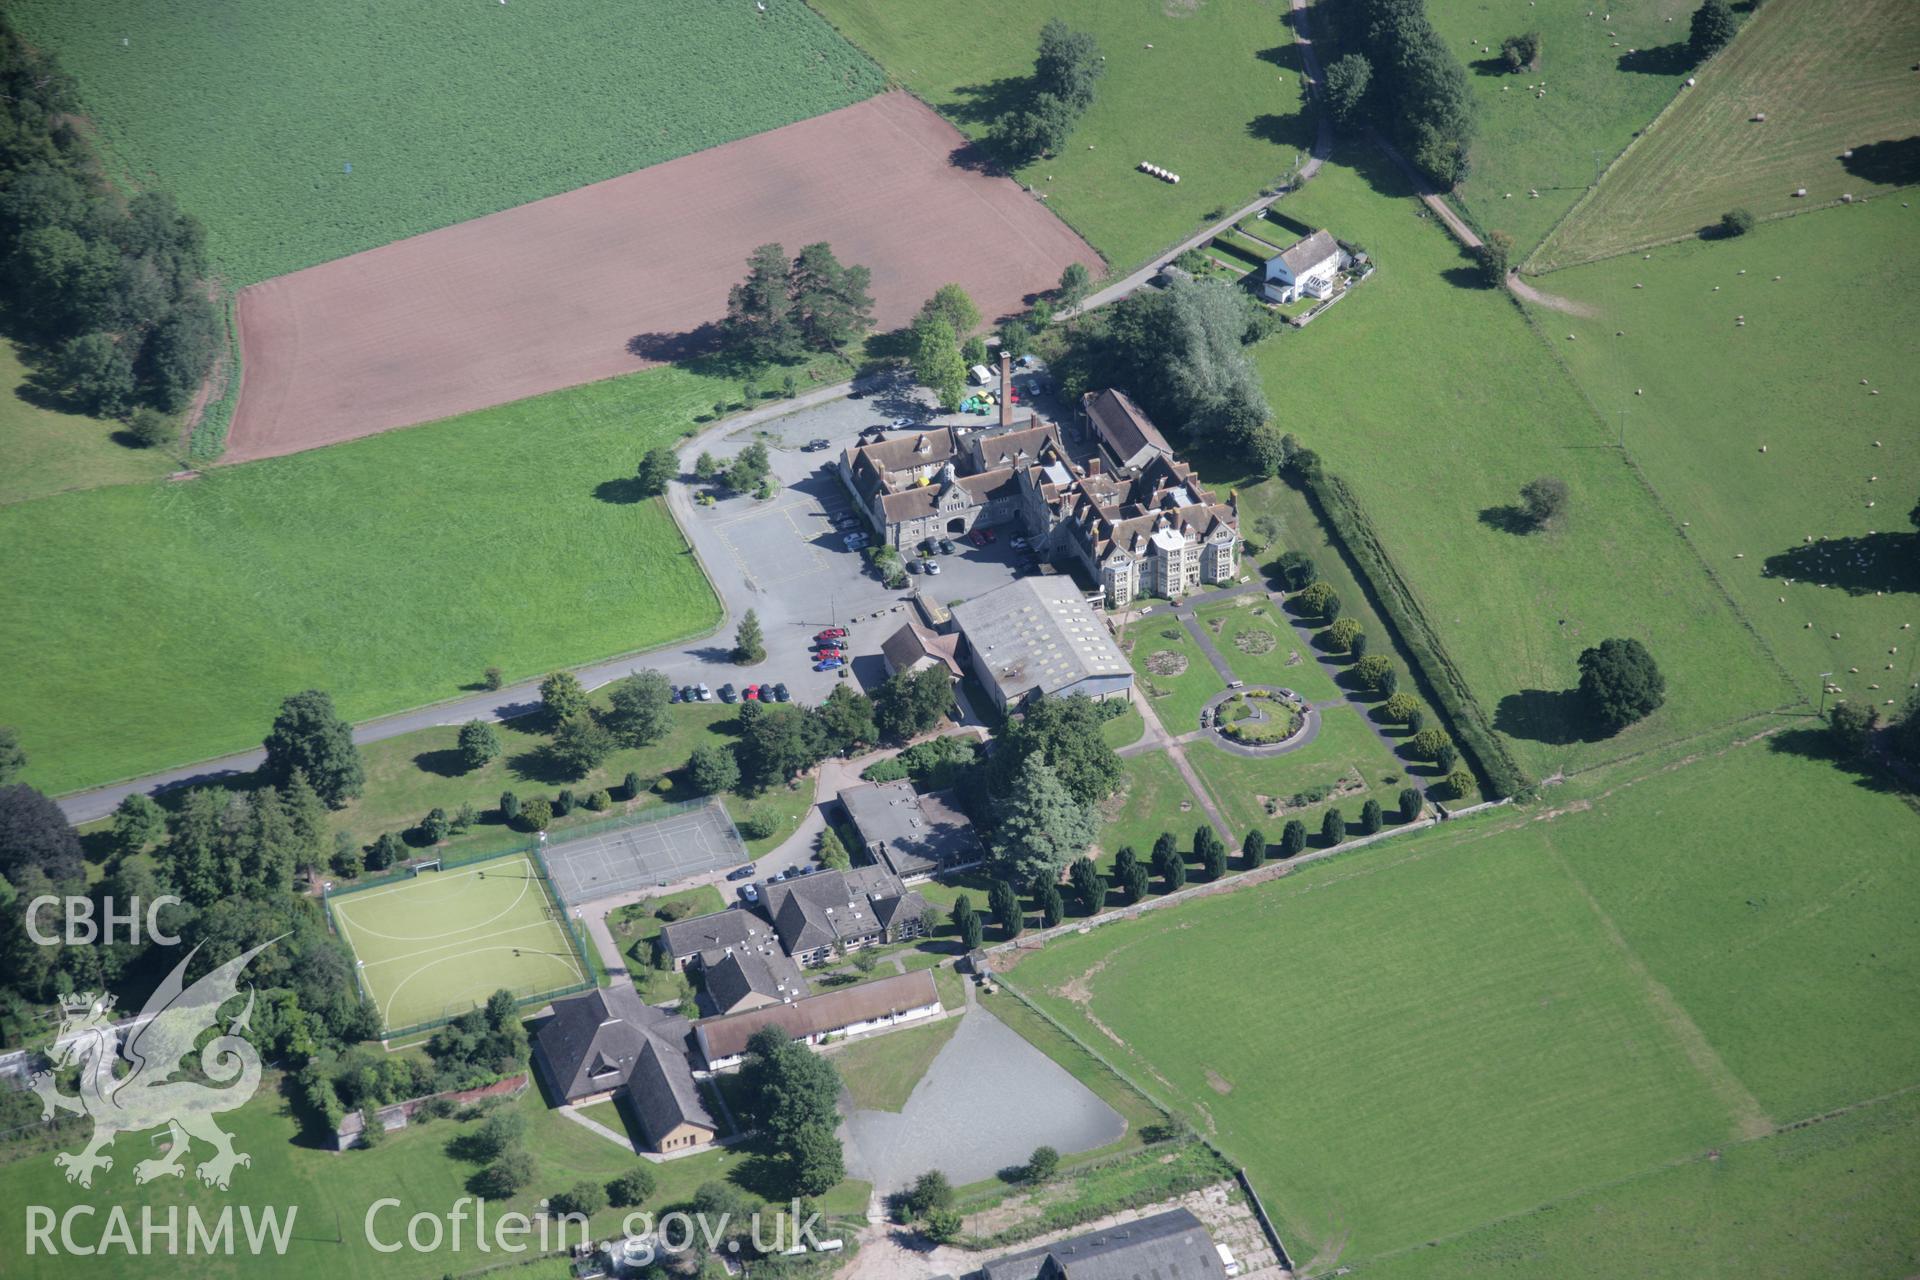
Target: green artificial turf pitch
(438, 944)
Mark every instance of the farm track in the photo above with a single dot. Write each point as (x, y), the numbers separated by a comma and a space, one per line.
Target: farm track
(629, 273)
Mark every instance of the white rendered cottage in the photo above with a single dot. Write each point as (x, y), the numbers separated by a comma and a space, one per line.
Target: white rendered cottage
(1306, 270)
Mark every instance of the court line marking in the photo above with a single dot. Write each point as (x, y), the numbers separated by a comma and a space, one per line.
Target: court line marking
(386, 1010)
(520, 897)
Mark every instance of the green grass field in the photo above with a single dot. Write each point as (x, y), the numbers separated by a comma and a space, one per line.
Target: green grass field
(1262, 647)
(1175, 699)
(334, 1191)
(1598, 94)
(880, 1072)
(1507, 1012)
(50, 452)
(1830, 76)
(1714, 393)
(1149, 804)
(1346, 753)
(164, 622)
(1235, 125)
(1124, 729)
(1455, 402)
(440, 943)
(251, 114)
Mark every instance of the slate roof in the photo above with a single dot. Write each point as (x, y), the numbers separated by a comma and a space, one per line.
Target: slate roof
(1123, 424)
(664, 1095)
(716, 932)
(734, 976)
(829, 906)
(723, 1038)
(913, 642)
(912, 834)
(593, 1040)
(1304, 255)
(1167, 1246)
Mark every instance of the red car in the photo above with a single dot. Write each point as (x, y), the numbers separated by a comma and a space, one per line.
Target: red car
(751, 693)
(978, 537)
(831, 633)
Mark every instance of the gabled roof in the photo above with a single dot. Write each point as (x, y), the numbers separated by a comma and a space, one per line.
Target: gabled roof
(735, 927)
(913, 642)
(1304, 255)
(829, 906)
(724, 1038)
(593, 1041)
(736, 976)
(1167, 1246)
(664, 1094)
(1123, 424)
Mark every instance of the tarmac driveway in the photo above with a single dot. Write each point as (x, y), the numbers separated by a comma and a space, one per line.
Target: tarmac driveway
(986, 1102)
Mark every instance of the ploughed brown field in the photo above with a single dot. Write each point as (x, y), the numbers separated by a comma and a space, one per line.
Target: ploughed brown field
(620, 275)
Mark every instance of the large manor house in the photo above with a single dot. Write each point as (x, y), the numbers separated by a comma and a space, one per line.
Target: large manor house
(1127, 511)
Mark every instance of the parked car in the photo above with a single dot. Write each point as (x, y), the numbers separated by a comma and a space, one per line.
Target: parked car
(749, 894)
(914, 566)
(674, 694)
(821, 654)
(795, 872)
(727, 694)
(751, 693)
(978, 537)
(898, 423)
(706, 694)
(933, 566)
(780, 693)
(991, 535)
(817, 444)
(1018, 544)
(946, 547)
(741, 873)
(831, 633)
(829, 664)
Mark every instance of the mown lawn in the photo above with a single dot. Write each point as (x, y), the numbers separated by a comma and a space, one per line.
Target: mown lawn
(1834, 79)
(881, 1072)
(51, 452)
(1175, 699)
(1260, 792)
(332, 1193)
(1260, 644)
(301, 133)
(1233, 125)
(1789, 380)
(1150, 803)
(1124, 729)
(1450, 402)
(1597, 95)
(164, 622)
(1834, 1197)
(1509, 1013)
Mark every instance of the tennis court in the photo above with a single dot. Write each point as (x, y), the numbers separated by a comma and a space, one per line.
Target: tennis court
(665, 845)
(442, 942)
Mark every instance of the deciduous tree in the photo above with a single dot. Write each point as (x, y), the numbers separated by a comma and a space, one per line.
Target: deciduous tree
(639, 711)
(1620, 683)
(309, 735)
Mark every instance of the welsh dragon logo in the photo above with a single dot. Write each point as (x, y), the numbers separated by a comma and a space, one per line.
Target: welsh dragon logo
(151, 1094)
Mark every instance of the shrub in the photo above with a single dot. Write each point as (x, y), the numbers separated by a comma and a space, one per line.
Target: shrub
(1400, 706)
(435, 826)
(503, 1179)
(537, 814)
(583, 1197)
(1494, 254)
(1372, 670)
(631, 785)
(1042, 1164)
(1428, 743)
(600, 801)
(1333, 827)
(1343, 633)
(758, 825)
(1544, 499)
(1293, 837)
(151, 429)
(1460, 783)
(1521, 52)
(493, 678)
(1370, 819)
(464, 817)
(509, 806)
(1620, 683)
(1411, 803)
(631, 1187)
(563, 803)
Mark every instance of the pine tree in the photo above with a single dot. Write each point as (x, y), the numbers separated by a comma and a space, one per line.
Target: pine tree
(749, 646)
(760, 322)
(1052, 909)
(1254, 847)
(1293, 838)
(1088, 884)
(1004, 901)
(1042, 827)
(1333, 827)
(308, 813)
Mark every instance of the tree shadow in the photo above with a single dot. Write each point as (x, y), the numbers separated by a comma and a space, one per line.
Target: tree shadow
(1858, 566)
(1892, 164)
(676, 348)
(539, 766)
(624, 492)
(986, 102)
(1494, 66)
(446, 763)
(1557, 717)
(1282, 131)
(1467, 277)
(1508, 518)
(1666, 60)
(1812, 743)
(977, 157)
(1285, 56)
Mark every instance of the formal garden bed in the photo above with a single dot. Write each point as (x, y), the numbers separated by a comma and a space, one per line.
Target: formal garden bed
(1258, 718)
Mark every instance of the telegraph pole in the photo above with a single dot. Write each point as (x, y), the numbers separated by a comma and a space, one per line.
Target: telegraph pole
(1824, 677)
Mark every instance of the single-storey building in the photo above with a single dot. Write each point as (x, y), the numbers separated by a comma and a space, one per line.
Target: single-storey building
(1167, 1246)
(609, 1042)
(914, 648)
(1039, 636)
(1123, 428)
(911, 835)
(1305, 269)
(733, 930)
(866, 1006)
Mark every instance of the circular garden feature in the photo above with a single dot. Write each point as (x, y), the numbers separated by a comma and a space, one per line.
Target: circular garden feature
(1260, 718)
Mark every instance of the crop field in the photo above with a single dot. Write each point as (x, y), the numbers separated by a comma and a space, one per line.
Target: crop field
(51, 452)
(1831, 77)
(302, 133)
(1842, 464)
(1173, 675)
(1506, 1012)
(1345, 755)
(1235, 125)
(1606, 74)
(389, 572)
(1462, 403)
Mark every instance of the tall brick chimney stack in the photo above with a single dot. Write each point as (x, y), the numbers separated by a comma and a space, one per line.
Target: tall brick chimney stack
(1006, 387)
